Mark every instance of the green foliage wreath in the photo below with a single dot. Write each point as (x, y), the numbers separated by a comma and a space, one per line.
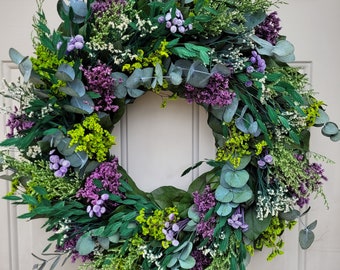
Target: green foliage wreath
(224, 55)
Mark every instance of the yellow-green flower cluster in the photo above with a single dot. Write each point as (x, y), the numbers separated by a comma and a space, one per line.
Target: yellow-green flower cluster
(259, 147)
(46, 60)
(90, 137)
(152, 59)
(271, 237)
(235, 147)
(153, 225)
(313, 112)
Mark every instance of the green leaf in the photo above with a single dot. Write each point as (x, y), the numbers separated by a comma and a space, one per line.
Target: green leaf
(291, 215)
(236, 179)
(186, 251)
(104, 242)
(255, 225)
(85, 245)
(272, 114)
(192, 214)
(306, 238)
(114, 238)
(12, 198)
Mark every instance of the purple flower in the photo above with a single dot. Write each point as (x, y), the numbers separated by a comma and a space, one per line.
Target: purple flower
(202, 261)
(17, 123)
(99, 80)
(216, 93)
(257, 60)
(269, 28)
(109, 177)
(174, 24)
(261, 163)
(100, 6)
(248, 83)
(268, 159)
(237, 220)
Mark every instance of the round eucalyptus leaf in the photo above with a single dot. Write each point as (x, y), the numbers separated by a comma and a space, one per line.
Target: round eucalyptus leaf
(188, 263)
(230, 110)
(223, 194)
(78, 159)
(224, 209)
(236, 179)
(114, 238)
(84, 103)
(64, 147)
(335, 137)
(65, 73)
(330, 129)
(321, 119)
(15, 56)
(242, 195)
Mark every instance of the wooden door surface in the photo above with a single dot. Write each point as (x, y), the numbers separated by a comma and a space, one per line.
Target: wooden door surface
(156, 145)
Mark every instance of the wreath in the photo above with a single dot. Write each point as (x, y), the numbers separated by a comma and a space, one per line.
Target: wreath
(228, 57)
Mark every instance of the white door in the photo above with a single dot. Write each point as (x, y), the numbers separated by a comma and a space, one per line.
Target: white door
(156, 145)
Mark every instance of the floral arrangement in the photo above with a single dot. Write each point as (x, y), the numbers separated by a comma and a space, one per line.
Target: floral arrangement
(227, 56)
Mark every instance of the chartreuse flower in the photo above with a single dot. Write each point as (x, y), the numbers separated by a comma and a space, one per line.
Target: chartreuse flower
(46, 60)
(235, 147)
(154, 58)
(271, 237)
(312, 112)
(90, 137)
(153, 225)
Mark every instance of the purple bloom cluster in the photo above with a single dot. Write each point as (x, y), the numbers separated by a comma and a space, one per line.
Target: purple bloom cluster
(267, 159)
(202, 261)
(237, 220)
(100, 6)
(175, 24)
(17, 122)
(269, 29)
(99, 80)
(172, 229)
(204, 202)
(216, 93)
(58, 165)
(76, 42)
(257, 60)
(97, 206)
(107, 173)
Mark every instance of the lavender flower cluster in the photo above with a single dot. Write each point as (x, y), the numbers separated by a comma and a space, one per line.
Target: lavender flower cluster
(99, 80)
(204, 202)
(98, 208)
(216, 92)
(171, 230)
(175, 24)
(58, 165)
(266, 160)
(237, 219)
(109, 177)
(258, 64)
(269, 29)
(17, 123)
(76, 42)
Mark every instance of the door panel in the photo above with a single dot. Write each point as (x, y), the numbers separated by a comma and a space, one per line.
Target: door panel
(157, 145)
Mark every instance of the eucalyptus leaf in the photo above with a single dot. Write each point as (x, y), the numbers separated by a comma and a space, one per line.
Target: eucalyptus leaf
(64, 147)
(231, 110)
(291, 215)
(306, 238)
(322, 118)
(159, 74)
(75, 88)
(242, 195)
(114, 238)
(121, 91)
(198, 75)
(189, 263)
(224, 209)
(25, 68)
(15, 56)
(312, 226)
(186, 251)
(223, 194)
(65, 73)
(335, 137)
(135, 93)
(329, 129)
(193, 214)
(85, 245)
(85, 103)
(236, 179)
(78, 159)
(184, 65)
(104, 242)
